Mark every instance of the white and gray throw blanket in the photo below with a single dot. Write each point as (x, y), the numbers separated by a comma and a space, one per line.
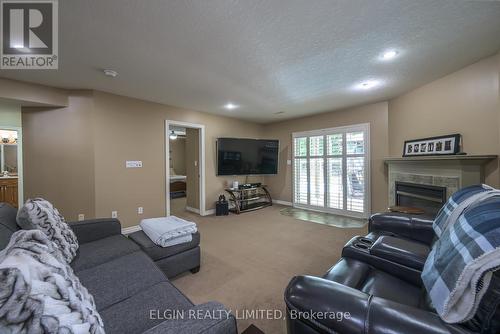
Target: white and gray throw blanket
(40, 214)
(457, 203)
(459, 268)
(39, 293)
(168, 231)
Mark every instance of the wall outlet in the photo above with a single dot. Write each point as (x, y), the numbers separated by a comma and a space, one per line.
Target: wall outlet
(133, 164)
(114, 214)
(140, 210)
(81, 217)
(196, 163)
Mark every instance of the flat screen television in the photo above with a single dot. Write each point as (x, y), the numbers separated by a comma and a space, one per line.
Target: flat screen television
(238, 156)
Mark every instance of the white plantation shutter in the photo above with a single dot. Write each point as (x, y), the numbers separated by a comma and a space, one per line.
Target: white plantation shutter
(316, 182)
(330, 170)
(355, 184)
(335, 184)
(316, 171)
(355, 147)
(300, 147)
(334, 171)
(301, 183)
(316, 144)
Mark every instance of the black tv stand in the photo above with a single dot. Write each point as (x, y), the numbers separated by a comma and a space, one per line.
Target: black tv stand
(249, 199)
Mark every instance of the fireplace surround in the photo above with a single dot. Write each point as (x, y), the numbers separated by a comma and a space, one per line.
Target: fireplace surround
(437, 177)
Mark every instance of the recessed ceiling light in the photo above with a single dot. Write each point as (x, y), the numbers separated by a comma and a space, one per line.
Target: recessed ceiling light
(389, 54)
(110, 73)
(231, 106)
(369, 84)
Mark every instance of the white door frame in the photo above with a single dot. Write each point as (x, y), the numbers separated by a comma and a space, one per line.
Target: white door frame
(20, 182)
(201, 162)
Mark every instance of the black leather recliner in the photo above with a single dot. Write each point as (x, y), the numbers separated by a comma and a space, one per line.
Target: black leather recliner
(376, 287)
(395, 241)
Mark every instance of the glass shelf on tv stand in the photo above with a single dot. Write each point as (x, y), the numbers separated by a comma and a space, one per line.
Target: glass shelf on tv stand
(249, 199)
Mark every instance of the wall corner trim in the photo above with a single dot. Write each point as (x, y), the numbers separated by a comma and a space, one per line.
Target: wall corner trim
(190, 209)
(209, 212)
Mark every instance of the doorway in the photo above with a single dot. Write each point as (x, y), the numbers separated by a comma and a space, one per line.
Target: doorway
(184, 167)
(11, 171)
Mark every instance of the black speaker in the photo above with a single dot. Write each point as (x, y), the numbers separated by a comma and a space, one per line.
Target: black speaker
(222, 206)
(221, 209)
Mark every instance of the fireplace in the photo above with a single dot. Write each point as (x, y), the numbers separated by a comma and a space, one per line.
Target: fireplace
(426, 197)
(427, 182)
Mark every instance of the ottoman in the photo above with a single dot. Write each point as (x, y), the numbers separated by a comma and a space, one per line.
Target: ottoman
(172, 260)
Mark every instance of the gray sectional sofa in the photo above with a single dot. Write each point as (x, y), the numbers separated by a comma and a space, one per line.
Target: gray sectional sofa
(172, 260)
(131, 293)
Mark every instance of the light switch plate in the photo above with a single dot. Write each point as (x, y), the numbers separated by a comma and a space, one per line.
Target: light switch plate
(289, 162)
(81, 217)
(133, 164)
(114, 214)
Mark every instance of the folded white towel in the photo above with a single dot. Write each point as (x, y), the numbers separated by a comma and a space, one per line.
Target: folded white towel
(178, 240)
(162, 231)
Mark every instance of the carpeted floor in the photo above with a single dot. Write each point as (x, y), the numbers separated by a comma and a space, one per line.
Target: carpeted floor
(247, 260)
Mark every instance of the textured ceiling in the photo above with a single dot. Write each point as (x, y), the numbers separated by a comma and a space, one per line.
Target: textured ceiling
(297, 56)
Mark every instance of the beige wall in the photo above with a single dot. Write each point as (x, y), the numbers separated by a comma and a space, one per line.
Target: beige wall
(192, 168)
(10, 114)
(59, 157)
(31, 94)
(376, 114)
(76, 155)
(178, 155)
(116, 120)
(465, 102)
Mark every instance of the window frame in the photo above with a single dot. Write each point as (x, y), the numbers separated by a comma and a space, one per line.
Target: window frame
(365, 128)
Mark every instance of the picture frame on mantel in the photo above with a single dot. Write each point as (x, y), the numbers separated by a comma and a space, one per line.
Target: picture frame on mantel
(433, 146)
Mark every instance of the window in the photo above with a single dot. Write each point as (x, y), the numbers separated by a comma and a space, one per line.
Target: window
(331, 170)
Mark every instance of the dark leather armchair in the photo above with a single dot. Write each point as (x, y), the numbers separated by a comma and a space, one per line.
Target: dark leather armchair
(376, 287)
(331, 307)
(413, 227)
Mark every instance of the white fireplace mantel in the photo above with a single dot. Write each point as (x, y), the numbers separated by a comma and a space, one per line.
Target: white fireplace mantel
(451, 171)
(474, 159)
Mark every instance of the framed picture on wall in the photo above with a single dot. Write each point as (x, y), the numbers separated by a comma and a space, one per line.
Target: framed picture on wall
(442, 145)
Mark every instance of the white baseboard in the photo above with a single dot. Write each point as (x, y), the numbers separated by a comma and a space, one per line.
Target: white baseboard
(209, 212)
(131, 229)
(278, 201)
(194, 210)
(190, 209)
